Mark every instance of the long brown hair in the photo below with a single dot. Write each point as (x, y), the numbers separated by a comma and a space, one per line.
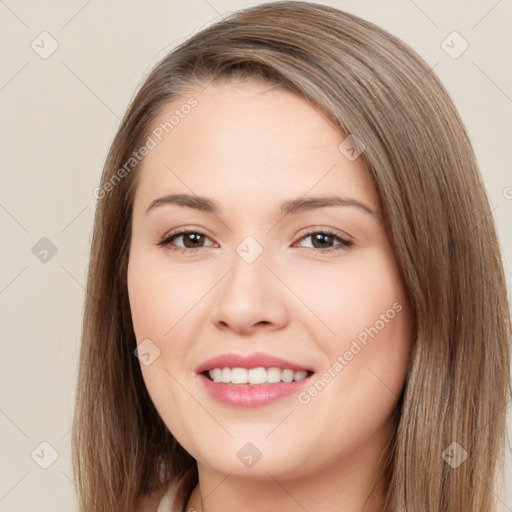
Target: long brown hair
(439, 222)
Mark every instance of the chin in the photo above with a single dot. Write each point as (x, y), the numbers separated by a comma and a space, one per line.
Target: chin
(255, 458)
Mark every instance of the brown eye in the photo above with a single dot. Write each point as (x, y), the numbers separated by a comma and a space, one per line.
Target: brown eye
(192, 240)
(322, 241)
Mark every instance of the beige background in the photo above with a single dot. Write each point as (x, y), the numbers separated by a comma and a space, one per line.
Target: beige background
(59, 115)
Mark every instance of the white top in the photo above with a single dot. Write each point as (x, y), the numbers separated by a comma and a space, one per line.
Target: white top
(165, 504)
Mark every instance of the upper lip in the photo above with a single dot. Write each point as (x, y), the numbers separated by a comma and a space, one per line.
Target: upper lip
(255, 360)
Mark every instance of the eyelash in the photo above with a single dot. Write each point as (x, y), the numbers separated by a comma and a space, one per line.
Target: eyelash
(166, 241)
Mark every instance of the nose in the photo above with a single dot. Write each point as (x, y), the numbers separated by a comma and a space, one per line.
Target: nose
(250, 298)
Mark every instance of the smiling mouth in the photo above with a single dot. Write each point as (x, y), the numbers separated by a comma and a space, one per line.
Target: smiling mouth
(255, 376)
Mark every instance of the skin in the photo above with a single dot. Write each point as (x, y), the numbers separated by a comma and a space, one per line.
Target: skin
(248, 146)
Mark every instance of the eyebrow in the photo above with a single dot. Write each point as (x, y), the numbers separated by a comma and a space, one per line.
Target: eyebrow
(290, 206)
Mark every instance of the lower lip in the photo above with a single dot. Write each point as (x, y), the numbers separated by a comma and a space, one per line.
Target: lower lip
(246, 395)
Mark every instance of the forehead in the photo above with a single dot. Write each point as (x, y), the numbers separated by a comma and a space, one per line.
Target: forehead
(250, 140)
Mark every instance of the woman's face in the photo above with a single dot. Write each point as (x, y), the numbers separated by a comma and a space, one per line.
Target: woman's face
(272, 275)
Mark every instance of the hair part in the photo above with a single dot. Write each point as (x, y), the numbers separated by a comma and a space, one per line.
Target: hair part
(436, 213)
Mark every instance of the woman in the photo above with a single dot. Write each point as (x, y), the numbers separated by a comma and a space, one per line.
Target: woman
(296, 299)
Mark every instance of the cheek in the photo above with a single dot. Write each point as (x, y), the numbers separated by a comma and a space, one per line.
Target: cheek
(162, 303)
(140, 278)
(365, 307)
(350, 297)
(159, 296)
(366, 361)
(157, 303)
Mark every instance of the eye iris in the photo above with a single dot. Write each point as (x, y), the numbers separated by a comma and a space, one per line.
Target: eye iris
(194, 238)
(319, 237)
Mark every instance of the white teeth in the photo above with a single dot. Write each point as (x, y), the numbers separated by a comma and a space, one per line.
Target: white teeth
(300, 375)
(273, 375)
(287, 375)
(238, 376)
(255, 376)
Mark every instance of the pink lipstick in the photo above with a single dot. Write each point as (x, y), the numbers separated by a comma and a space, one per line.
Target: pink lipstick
(252, 381)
